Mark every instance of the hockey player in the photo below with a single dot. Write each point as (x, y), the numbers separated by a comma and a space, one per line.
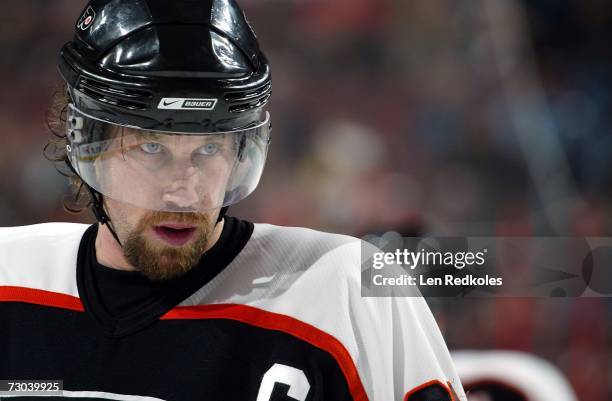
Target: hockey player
(166, 298)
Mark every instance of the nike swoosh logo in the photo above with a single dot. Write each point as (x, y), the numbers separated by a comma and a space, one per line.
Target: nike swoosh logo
(166, 103)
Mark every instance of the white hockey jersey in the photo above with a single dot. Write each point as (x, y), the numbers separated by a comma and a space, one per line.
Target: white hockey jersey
(279, 317)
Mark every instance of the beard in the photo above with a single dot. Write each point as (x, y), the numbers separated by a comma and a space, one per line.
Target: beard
(160, 262)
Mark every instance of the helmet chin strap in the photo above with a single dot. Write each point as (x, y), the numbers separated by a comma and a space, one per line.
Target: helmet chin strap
(222, 213)
(97, 207)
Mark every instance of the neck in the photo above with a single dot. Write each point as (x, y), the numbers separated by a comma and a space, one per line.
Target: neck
(109, 253)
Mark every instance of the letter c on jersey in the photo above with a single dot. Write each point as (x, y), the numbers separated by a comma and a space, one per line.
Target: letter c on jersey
(283, 374)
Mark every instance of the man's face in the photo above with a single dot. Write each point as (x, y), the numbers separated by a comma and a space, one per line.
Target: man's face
(161, 245)
(182, 178)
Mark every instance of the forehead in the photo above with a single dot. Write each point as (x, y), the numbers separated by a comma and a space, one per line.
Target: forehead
(141, 135)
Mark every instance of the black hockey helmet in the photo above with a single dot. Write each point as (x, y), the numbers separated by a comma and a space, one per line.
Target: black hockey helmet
(131, 60)
(164, 76)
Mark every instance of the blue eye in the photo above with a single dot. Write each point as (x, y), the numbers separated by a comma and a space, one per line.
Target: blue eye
(209, 149)
(151, 147)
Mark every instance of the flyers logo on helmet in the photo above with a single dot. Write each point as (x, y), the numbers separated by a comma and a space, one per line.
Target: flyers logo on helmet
(86, 19)
(433, 390)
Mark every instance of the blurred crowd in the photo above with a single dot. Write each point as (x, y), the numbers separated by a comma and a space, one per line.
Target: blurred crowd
(444, 117)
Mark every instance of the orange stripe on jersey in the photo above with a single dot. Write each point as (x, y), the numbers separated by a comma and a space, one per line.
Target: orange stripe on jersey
(275, 321)
(40, 297)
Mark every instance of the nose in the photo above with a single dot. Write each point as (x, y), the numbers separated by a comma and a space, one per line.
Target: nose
(182, 191)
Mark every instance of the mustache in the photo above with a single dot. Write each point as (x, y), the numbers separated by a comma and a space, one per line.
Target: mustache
(158, 217)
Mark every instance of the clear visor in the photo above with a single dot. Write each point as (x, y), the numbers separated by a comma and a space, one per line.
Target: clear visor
(165, 171)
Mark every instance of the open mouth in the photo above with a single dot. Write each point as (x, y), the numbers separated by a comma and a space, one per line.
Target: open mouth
(175, 234)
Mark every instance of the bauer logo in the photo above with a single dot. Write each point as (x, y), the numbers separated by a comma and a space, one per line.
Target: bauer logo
(174, 103)
(86, 19)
